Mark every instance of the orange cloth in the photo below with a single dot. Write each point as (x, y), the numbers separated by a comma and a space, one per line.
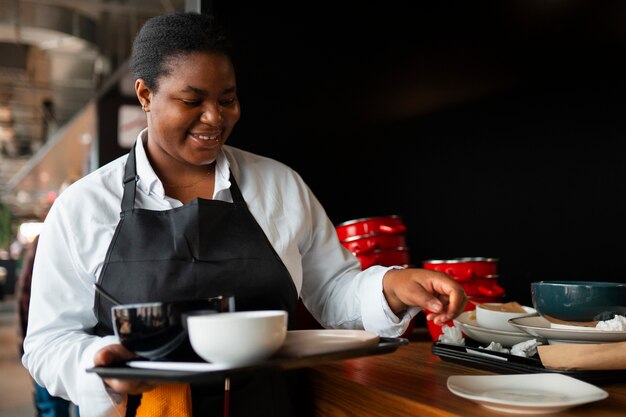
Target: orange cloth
(166, 400)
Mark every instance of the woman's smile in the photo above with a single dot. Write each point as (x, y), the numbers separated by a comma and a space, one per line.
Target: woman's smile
(206, 141)
(205, 137)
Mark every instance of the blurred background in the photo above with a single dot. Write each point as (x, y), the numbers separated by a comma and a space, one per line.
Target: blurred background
(493, 129)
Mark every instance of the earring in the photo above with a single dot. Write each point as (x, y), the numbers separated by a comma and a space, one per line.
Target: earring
(144, 108)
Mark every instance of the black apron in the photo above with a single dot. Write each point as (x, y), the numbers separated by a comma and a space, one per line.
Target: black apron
(202, 249)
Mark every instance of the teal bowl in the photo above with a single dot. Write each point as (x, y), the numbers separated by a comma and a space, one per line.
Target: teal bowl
(579, 301)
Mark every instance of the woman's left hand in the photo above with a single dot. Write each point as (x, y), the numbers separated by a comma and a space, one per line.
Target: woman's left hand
(114, 354)
(442, 296)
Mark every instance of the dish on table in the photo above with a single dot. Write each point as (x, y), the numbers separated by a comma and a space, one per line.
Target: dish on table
(466, 321)
(579, 301)
(539, 393)
(540, 327)
(496, 315)
(316, 342)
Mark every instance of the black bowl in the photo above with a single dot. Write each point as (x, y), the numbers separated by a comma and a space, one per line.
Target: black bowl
(156, 330)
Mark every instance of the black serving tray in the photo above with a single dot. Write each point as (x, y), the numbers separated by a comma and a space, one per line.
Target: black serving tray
(123, 371)
(504, 363)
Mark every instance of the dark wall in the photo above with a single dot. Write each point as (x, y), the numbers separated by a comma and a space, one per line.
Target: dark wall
(494, 129)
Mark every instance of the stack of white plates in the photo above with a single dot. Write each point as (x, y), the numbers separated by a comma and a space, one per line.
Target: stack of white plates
(537, 326)
(467, 323)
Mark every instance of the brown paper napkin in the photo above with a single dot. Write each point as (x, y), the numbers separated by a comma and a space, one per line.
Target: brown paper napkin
(574, 356)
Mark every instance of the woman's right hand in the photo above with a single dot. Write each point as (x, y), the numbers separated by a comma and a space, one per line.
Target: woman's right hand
(115, 354)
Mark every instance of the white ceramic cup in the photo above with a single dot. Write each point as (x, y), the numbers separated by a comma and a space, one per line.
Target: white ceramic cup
(237, 338)
(499, 320)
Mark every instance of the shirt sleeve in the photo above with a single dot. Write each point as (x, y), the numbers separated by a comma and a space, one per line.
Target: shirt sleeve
(58, 345)
(23, 287)
(335, 289)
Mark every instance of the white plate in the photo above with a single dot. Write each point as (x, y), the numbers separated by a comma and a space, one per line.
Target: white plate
(315, 342)
(177, 366)
(466, 321)
(525, 393)
(540, 327)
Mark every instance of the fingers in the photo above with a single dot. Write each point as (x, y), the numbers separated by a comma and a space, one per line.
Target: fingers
(112, 354)
(442, 296)
(438, 293)
(116, 353)
(458, 301)
(455, 301)
(432, 315)
(129, 386)
(450, 290)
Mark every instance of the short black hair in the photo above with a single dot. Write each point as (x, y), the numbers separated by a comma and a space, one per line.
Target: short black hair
(169, 36)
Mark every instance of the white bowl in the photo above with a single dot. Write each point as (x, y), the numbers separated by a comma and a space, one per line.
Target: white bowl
(237, 338)
(499, 320)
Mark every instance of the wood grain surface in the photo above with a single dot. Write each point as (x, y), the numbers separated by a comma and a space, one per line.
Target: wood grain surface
(412, 382)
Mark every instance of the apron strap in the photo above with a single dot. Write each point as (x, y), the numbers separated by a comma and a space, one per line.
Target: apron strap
(130, 178)
(235, 192)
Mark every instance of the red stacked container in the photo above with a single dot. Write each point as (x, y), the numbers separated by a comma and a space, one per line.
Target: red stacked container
(377, 241)
(374, 241)
(478, 277)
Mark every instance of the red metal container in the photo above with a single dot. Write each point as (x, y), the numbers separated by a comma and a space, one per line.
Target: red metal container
(370, 225)
(377, 241)
(374, 241)
(483, 287)
(386, 257)
(464, 269)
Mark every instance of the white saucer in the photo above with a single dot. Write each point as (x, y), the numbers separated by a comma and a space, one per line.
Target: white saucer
(466, 321)
(539, 327)
(316, 342)
(177, 366)
(525, 393)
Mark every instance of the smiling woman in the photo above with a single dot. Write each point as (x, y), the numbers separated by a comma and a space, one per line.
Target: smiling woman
(184, 216)
(190, 117)
(191, 112)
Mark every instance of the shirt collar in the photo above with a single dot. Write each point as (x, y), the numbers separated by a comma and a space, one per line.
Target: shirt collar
(150, 183)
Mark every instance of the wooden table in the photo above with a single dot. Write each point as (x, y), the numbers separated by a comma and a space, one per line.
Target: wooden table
(412, 382)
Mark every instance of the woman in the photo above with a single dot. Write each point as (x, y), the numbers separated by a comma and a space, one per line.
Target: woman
(184, 215)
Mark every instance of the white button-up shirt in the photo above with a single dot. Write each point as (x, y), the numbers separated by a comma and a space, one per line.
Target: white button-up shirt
(78, 231)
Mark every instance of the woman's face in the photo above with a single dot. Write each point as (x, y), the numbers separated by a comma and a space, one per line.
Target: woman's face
(193, 112)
